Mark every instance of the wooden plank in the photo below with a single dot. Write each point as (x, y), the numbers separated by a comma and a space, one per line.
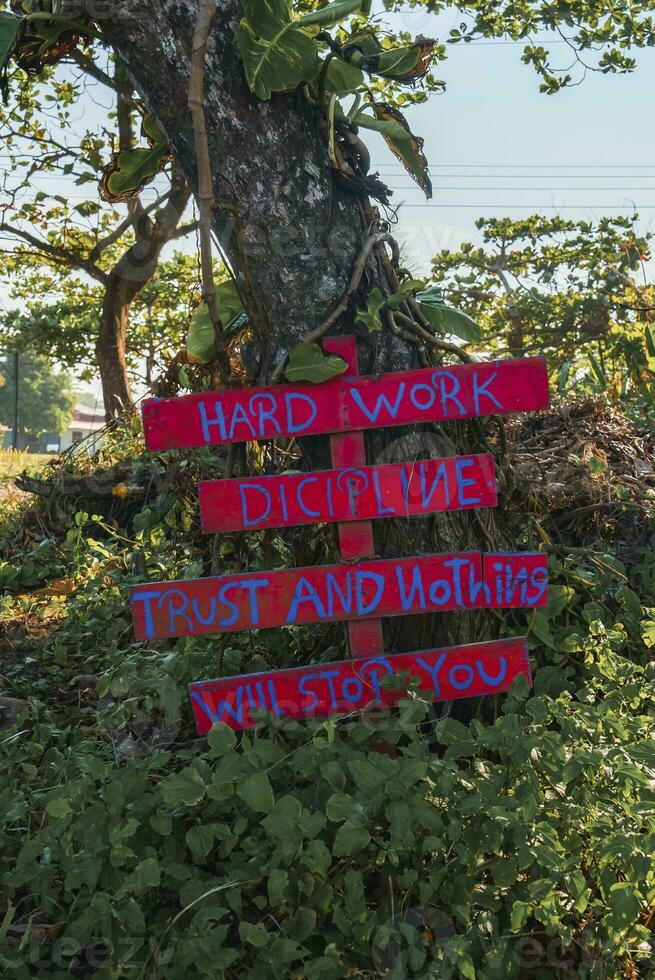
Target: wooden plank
(355, 493)
(347, 404)
(348, 449)
(353, 685)
(338, 593)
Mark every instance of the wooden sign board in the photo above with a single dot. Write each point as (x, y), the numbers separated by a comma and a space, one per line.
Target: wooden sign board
(338, 593)
(346, 404)
(350, 494)
(355, 685)
(361, 589)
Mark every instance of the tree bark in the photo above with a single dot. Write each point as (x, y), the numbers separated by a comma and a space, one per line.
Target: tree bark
(126, 280)
(292, 235)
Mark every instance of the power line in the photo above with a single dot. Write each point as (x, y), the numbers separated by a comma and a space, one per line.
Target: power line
(505, 176)
(593, 190)
(536, 207)
(483, 176)
(526, 166)
(454, 164)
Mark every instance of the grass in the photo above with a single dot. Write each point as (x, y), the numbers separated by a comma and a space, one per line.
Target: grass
(12, 463)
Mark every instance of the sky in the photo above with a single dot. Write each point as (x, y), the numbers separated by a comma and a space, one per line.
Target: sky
(499, 147)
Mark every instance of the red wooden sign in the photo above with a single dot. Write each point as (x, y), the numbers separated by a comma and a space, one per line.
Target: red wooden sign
(347, 404)
(356, 541)
(350, 494)
(362, 589)
(337, 593)
(354, 685)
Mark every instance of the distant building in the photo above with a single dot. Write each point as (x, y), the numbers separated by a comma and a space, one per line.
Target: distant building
(86, 422)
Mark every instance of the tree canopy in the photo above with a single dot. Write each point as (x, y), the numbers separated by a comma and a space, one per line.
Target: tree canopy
(45, 397)
(578, 292)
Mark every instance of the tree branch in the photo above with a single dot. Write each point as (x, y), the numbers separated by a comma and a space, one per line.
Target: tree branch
(58, 254)
(186, 230)
(120, 229)
(90, 68)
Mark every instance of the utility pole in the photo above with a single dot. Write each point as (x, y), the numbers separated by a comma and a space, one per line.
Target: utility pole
(14, 440)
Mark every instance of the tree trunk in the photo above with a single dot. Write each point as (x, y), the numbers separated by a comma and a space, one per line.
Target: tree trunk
(290, 232)
(292, 235)
(126, 280)
(110, 346)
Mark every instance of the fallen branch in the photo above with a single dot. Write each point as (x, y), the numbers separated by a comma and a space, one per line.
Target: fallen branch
(133, 485)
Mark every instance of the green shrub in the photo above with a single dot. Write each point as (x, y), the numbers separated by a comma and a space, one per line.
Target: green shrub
(413, 845)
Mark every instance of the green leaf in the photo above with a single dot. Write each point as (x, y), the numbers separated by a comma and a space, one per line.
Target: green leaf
(277, 882)
(285, 951)
(278, 54)
(302, 925)
(58, 807)
(221, 738)
(403, 64)
(563, 377)
(401, 141)
(284, 822)
(10, 30)
(307, 362)
(370, 317)
(200, 341)
(350, 838)
(184, 377)
(578, 889)
(362, 45)
(200, 841)
(601, 377)
(339, 807)
(342, 78)
(130, 170)
(257, 935)
(650, 340)
(146, 875)
(317, 857)
(367, 776)
(185, 787)
(625, 903)
(162, 823)
(257, 792)
(331, 14)
(447, 320)
(432, 295)
(519, 915)
(648, 629)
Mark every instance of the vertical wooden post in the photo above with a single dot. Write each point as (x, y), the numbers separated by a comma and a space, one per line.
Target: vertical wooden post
(348, 449)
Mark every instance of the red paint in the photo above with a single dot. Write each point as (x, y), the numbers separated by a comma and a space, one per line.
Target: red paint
(355, 493)
(348, 449)
(338, 593)
(347, 404)
(353, 685)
